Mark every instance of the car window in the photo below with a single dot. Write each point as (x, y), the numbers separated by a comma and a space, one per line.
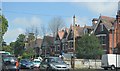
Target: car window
(45, 60)
(58, 60)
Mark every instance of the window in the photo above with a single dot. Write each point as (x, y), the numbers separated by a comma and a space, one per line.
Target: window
(102, 27)
(103, 39)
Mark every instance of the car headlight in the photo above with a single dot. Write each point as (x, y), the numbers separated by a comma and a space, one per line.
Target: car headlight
(53, 66)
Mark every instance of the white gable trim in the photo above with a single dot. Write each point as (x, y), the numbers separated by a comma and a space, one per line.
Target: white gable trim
(97, 24)
(101, 35)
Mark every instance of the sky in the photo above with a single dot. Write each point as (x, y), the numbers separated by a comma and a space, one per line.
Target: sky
(23, 15)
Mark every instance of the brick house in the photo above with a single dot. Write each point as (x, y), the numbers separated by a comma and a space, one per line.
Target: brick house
(60, 41)
(48, 46)
(103, 30)
(64, 38)
(117, 30)
(78, 34)
(34, 43)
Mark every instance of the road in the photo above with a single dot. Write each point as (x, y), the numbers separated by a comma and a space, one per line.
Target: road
(73, 70)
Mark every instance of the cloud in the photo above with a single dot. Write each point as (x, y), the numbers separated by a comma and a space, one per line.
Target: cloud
(104, 8)
(27, 22)
(11, 35)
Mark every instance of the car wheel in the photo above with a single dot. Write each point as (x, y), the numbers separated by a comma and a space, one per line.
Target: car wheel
(112, 67)
(105, 68)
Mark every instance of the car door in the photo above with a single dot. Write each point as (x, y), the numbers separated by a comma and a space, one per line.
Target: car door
(44, 64)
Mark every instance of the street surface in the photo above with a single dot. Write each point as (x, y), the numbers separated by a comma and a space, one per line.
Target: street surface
(72, 70)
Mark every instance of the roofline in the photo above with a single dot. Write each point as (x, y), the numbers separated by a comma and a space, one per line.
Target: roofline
(97, 24)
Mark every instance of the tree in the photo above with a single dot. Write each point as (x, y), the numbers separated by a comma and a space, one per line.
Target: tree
(3, 28)
(4, 24)
(43, 29)
(19, 45)
(28, 53)
(88, 47)
(12, 45)
(56, 24)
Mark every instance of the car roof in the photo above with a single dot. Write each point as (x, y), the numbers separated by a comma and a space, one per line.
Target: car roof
(36, 60)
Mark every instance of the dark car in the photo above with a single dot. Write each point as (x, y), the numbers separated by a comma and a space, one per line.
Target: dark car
(26, 63)
(10, 63)
(53, 64)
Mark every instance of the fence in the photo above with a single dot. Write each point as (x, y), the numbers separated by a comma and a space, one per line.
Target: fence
(85, 63)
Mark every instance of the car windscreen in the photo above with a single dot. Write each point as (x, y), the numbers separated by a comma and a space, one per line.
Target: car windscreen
(36, 61)
(26, 61)
(9, 60)
(57, 60)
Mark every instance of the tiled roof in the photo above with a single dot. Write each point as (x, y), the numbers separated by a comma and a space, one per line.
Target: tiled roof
(88, 27)
(107, 21)
(78, 31)
(61, 34)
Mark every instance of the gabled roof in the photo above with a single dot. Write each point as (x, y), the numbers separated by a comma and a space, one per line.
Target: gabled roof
(48, 40)
(78, 30)
(106, 21)
(61, 34)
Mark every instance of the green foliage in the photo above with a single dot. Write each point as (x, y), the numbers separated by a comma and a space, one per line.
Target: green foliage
(7, 48)
(3, 28)
(4, 24)
(31, 36)
(88, 47)
(28, 53)
(19, 45)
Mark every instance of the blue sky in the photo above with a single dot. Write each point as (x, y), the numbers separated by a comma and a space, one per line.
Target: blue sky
(22, 15)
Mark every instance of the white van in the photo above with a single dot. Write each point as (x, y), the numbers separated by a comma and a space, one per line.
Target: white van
(109, 61)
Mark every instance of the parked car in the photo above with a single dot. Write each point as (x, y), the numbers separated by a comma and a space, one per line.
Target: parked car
(36, 63)
(53, 63)
(10, 63)
(5, 53)
(26, 63)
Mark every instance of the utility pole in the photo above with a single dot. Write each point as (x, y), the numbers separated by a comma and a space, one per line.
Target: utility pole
(74, 41)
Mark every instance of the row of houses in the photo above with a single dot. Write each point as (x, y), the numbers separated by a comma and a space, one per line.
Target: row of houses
(107, 29)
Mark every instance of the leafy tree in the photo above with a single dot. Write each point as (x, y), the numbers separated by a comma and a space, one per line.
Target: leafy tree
(19, 45)
(4, 24)
(28, 53)
(7, 48)
(31, 37)
(88, 47)
(3, 28)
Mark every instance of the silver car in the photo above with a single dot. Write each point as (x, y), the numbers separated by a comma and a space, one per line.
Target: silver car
(53, 64)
